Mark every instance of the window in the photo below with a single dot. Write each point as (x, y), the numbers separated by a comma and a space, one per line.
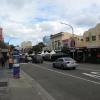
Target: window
(69, 59)
(81, 39)
(56, 45)
(59, 44)
(61, 60)
(53, 45)
(99, 37)
(87, 39)
(93, 38)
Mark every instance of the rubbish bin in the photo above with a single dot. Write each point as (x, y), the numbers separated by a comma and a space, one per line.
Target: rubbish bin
(16, 67)
(16, 71)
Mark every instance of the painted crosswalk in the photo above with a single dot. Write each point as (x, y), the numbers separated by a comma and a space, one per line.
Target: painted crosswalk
(93, 75)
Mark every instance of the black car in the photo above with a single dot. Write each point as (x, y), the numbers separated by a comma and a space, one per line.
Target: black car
(37, 59)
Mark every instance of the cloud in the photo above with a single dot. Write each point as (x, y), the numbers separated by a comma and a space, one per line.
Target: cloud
(33, 19)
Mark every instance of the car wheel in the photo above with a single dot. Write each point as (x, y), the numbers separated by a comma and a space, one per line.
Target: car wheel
(54, 66)
(62, 67)
(74, 68)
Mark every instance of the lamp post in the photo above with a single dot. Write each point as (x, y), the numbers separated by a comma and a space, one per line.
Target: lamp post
(9, 40)
(69, 26)
(72, 38)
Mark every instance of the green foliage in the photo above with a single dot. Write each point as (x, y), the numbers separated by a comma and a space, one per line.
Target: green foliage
(30, 51)
(38, 48)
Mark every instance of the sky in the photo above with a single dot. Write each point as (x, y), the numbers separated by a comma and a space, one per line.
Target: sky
(30, 20)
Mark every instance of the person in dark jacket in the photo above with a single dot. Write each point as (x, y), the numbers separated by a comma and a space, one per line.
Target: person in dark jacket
(3, 62)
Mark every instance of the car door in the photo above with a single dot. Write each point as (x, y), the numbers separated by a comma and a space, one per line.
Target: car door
(56, 62)
(59, 62)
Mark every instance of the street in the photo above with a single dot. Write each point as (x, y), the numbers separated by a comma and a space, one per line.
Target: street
(80, 84)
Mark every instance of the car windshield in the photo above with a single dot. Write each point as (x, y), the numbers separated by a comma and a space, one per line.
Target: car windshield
(69, 59)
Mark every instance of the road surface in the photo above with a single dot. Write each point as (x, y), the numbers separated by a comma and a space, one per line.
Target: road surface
(80, 84)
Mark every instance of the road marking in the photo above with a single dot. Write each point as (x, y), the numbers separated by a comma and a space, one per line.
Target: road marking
(66, 74)
(92, 75)
(97, 73)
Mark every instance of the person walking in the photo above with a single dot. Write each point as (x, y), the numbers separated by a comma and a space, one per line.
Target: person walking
(10, 61)
(3, 61)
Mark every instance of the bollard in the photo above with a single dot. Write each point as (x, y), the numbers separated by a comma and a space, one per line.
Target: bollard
(16, 71)
(16, 66)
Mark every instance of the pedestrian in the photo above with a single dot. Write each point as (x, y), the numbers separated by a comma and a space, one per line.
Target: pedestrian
(3, 61)
(26, 60)
(10, 61)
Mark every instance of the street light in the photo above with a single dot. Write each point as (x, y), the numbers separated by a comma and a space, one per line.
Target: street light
(72, 36)
(69, 26)
(10, 39)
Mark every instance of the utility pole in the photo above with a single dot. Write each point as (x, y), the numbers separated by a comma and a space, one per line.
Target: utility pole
(72, 38)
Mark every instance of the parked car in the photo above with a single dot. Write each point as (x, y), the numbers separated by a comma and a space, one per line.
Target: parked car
(53, 57)
(65, 63)
(29, 59)
(37, 59)
(58, 55)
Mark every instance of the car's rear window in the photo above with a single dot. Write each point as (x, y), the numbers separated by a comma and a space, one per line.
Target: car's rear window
(69, 59)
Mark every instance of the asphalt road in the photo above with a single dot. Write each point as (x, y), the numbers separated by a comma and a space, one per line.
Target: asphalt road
(80, 84)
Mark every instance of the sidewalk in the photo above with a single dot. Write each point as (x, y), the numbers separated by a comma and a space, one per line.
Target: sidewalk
(4, 78)
(24, 88)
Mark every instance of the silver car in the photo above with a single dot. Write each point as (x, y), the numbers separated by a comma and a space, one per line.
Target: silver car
(65, 62)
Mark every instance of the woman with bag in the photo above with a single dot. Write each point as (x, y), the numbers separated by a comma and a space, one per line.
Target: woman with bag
(10, 61)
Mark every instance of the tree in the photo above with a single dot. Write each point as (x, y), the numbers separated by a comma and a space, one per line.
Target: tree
(30, 51)
(38, 48)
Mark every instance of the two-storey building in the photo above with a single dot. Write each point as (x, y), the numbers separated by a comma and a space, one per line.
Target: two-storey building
(60, 39)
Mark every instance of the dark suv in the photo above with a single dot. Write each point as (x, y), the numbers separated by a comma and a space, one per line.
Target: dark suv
(37, 59)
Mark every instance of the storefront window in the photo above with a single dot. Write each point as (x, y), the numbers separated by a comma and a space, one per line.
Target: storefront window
(93, 38)
(87, 39)
(99, 37)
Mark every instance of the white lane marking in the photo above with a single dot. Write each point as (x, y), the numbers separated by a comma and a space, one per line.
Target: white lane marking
(97, 73)
(67, 74)
(92, 75)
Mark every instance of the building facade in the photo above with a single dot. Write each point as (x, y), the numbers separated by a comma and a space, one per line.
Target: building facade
(26, 44)
(59, 40)
(46, 41)
(92, 37)
(1, 34)
(79, 41)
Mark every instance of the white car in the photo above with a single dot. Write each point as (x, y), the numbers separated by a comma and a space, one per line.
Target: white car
(65, 62)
